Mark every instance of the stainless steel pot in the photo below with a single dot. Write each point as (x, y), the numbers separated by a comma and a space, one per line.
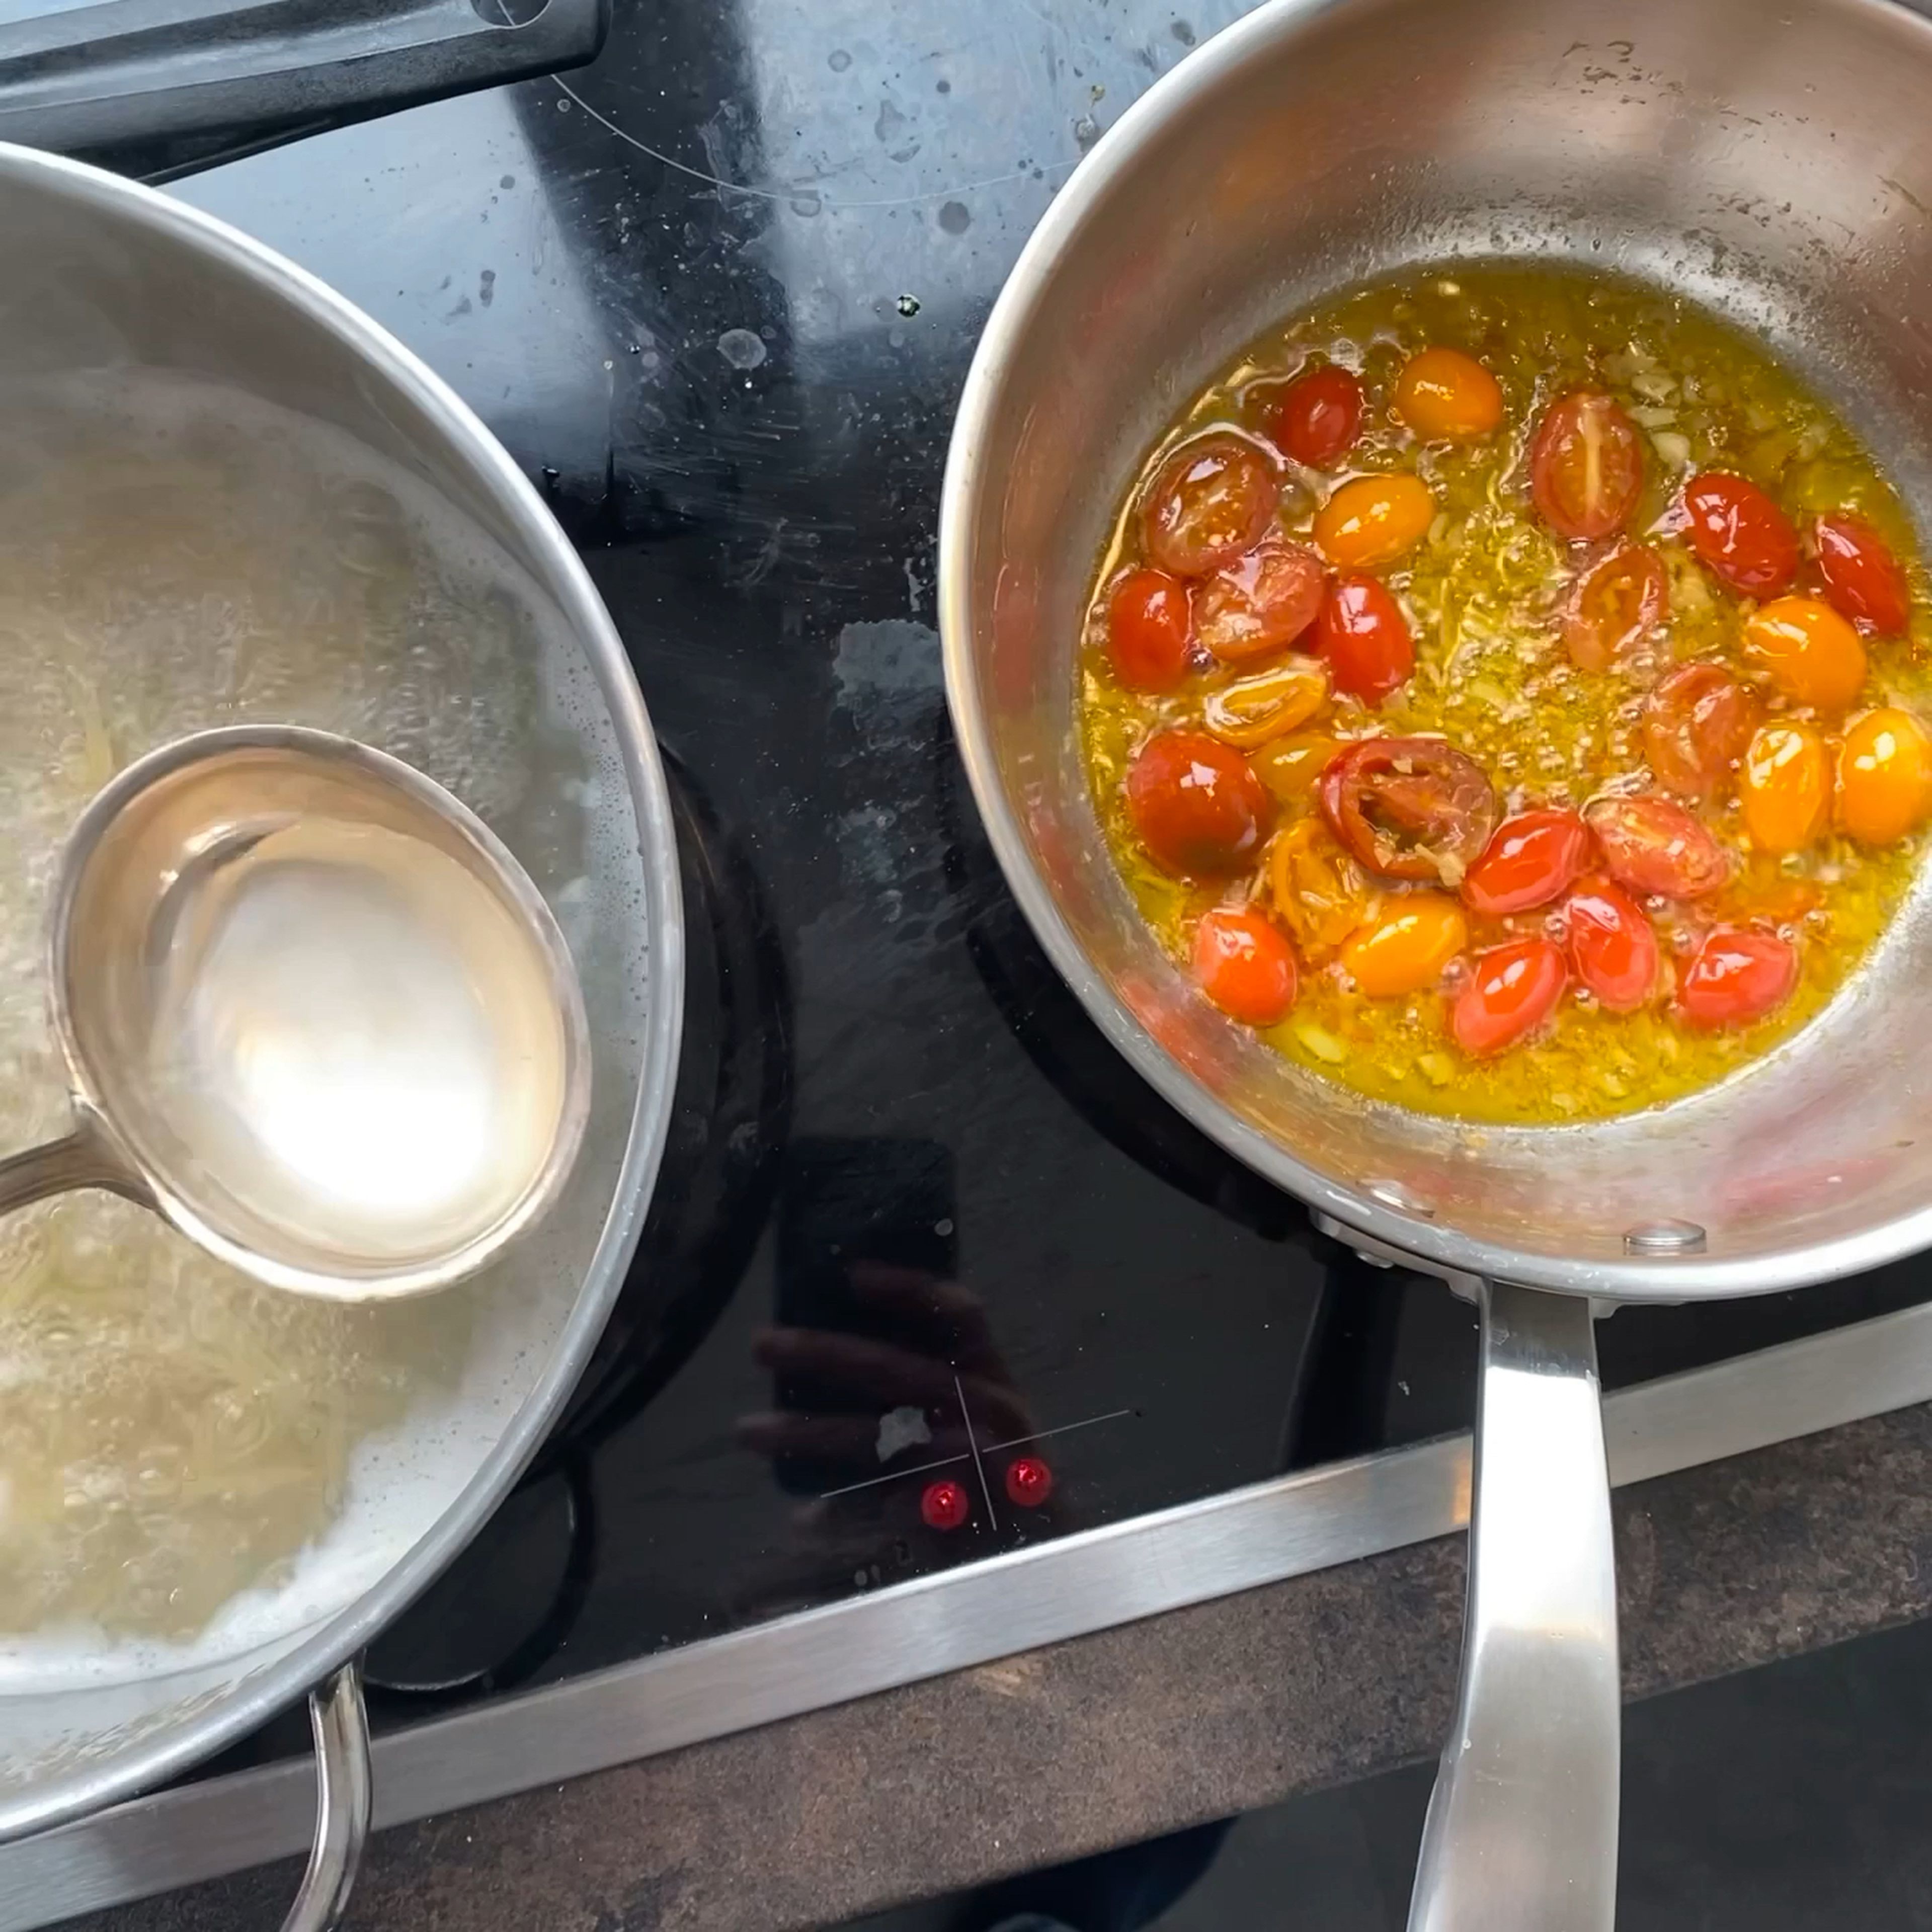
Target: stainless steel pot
(1771, 164)
(106, 278)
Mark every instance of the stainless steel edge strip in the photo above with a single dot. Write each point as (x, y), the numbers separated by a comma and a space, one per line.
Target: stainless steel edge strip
(1081, 1583)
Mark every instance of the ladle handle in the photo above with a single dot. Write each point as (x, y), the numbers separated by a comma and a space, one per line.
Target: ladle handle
(1521, 1830)
(340, 1726)
(77, 1159)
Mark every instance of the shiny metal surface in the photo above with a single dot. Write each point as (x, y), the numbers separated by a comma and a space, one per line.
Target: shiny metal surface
(950, 1621)
(392, 994)
(112, 276)
(1531, 1763)
(341, 1729)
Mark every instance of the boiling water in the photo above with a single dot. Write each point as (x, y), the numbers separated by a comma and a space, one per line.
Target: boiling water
(172, 558)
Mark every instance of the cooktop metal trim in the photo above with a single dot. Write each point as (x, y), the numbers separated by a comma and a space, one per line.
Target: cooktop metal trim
(1089, 1581)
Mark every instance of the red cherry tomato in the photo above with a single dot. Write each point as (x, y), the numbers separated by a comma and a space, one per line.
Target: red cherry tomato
(1319, 417)
(1512, 990)
(1259, 603)
(1863, 580)
(1363, 634)
(1653, 846)
(1586, 466)
(1532, 858)
(1409, 808)
(1740, 533)
(1736, 976)
(1615, 601)
(1197, 805)
(1612, 946)
(1149, 630)
(1697, 724)
(1211, 500)
(1245, 965)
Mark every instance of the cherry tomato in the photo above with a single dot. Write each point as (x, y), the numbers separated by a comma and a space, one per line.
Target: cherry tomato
(1863, 580)
(1812, 654)
(1531, 860)
(1211, 500)
(1884, 777)
(1289, 767)
(1406, 949)
(1613, 946)
(1447, 397)
(1252, 710)
(1318, 889)
(1736, 976)
(1654, 847)
(1319, 417)
(1615, 602)
(1740, 533)
(1409, 808)
(1363, 634)
(1196, 804)
(1784, 787)
(1246, 966)
(1259, 603)
(1512, 991)
(1149, 630)
(1374, 520)
(1586, 466)
(1697, 724)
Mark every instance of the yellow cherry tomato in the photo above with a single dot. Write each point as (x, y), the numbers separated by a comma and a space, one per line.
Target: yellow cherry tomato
(1784, 786)
(1812, 653)
(1318, 889)
(1884, 777)
(1447, 397)
(1374, 520)
(1406, 949)
(1252, 710)
(1289, 767)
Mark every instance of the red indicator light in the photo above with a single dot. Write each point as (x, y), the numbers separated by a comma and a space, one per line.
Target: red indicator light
(945, 1503)
(1029, 1482)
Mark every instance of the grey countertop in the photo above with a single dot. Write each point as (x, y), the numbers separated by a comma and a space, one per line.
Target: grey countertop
(1140, 1730)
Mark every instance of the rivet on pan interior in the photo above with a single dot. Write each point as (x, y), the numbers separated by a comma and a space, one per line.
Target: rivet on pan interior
(1393, 1194)
(1665, 1238)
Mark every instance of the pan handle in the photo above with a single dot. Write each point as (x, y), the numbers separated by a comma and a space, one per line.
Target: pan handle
(1521, 1830)
(341, 1729)
(158, 88)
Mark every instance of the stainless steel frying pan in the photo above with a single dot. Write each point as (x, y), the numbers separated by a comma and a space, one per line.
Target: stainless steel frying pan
(1774, 163)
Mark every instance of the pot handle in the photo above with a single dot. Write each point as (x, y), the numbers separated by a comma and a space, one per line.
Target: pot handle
(341, 1729)
(158, 88)
(1521, 1830)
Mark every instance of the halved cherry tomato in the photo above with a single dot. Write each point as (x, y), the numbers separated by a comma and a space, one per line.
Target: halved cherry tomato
(1884, 777)
(1653, 846)
(1259, 603)
(1862, 578)
(1374, 520)
(1246, 966)
(1149, 630)
(1211, 500)
(1198, 807)
(1363, 634)
(1409, 808)
(1289, 767)
(1252, 710)
(1812, 654)
(1318, 889)
(1736, 976)
(1613, 946)
(1740, 533)
(1513, 989)
(1697, 724)
(1615, 601)
(1406, 949)
(1532, 858)
(1586, 466)
(1318, 416)
(1445, 396)
(1784, 787)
